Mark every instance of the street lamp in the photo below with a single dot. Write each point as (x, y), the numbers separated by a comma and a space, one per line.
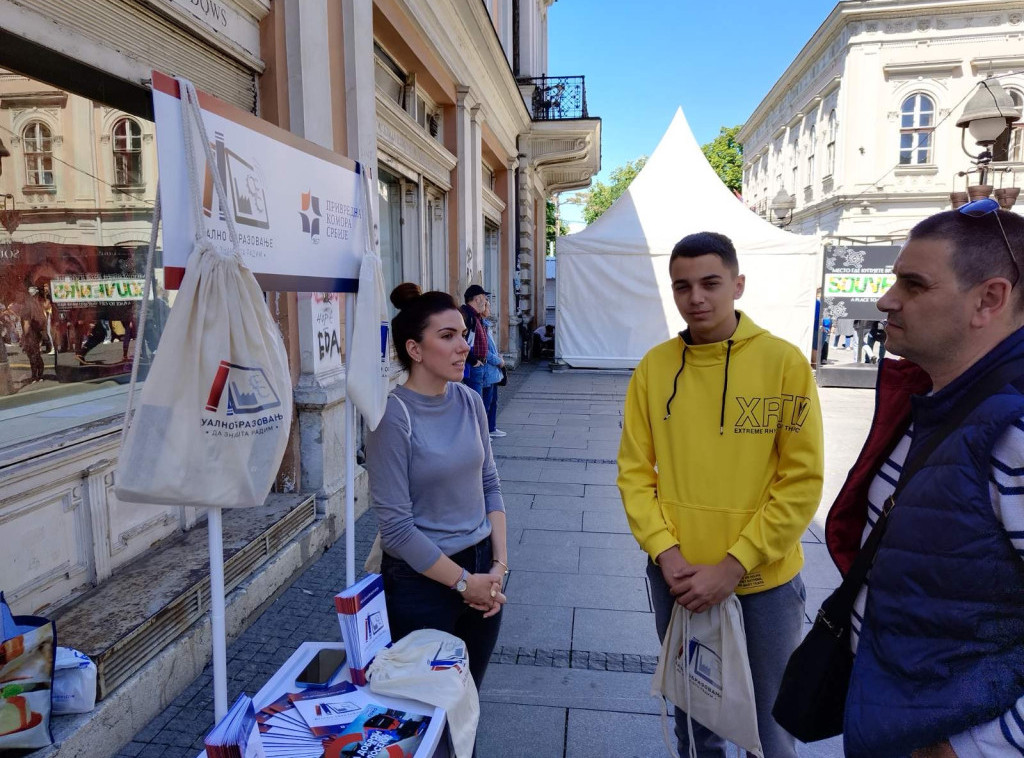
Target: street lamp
(988, 113)
(782, 206)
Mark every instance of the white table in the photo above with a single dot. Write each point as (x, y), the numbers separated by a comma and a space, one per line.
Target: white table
(432, 746)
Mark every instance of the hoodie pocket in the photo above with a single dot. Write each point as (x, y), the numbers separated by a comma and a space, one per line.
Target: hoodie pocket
(704, 533)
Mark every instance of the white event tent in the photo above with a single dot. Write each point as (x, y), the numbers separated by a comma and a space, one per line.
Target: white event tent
(614, 299)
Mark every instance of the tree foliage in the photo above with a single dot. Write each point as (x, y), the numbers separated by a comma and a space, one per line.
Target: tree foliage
(550, 233)
(725, 155)
(600, 196)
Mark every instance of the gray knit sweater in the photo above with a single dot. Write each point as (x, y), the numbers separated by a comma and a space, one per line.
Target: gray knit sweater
(432, 476)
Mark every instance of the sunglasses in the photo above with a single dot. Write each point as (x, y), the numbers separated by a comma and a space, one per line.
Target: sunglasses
(983, 207)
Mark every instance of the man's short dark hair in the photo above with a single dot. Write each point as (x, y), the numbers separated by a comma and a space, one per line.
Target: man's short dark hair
(707, 243)
(979, 249)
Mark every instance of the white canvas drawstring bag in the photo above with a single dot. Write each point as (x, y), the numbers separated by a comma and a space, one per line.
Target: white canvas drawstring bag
(369, 361)
(215, 410)
(703, 669)
(433, 667)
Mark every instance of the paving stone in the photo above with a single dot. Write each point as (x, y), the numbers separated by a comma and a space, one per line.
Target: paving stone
(819, 571)
(596, 733)
(550, 519)
(617, 562)
(520, 731)
(569, 687)
(525, 487)
(602, 490)
(581, 591)
(502, 454)
(575, 476)
(532, 557)
(579, 539)
(608, 520)
(563, 502)
(615, 631)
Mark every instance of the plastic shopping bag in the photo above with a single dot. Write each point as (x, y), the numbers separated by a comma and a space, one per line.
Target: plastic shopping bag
(433, 667)
(26, 679)
(703, 669)
(74, 682)
(215, 411)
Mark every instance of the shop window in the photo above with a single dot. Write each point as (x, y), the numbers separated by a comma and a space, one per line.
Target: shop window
(38, 145)
(70, 292)
(127, 142)
(389, 197)
(917, 126)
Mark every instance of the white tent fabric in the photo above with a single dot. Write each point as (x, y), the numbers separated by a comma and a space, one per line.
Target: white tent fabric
(613, 291)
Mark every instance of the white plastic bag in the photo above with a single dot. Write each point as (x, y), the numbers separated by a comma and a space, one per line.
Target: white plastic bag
(433, 667)
(216, 408)
(703, 669)
(74, 682)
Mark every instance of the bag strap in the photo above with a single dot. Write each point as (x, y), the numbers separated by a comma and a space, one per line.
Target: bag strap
(405, 410)
(841, 603)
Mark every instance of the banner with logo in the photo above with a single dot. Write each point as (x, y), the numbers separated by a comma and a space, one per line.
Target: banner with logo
(295, 204)
(854, 278)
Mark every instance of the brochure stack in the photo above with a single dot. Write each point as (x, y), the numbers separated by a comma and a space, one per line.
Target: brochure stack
(363, 616)
(237, 735)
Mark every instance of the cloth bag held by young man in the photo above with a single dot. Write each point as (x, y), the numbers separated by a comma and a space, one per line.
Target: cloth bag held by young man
(433, 667)
(26, 679)
(703, 670)
(216, 407)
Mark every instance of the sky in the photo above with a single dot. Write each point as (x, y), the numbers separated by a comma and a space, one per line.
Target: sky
(644, 58)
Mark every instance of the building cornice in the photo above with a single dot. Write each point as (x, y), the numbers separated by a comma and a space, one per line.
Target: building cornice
(399, 135)
(948, 67)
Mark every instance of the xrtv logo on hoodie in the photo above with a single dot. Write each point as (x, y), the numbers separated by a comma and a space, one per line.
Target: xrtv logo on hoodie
(764, 415)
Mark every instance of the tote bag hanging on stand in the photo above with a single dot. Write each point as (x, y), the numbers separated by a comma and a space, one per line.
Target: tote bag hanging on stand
(216, 407)
(703, 669)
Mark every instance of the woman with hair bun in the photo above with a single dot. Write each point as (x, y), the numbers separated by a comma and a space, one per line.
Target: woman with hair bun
(434, 486)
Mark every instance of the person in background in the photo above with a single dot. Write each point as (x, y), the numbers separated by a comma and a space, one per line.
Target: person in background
(492, 375)
(434, 487)
(938, 628)
(33, 332)
(476, 298)
(721, 465)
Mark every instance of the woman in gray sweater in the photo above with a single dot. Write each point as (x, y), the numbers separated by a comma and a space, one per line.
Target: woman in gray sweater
(434, 486)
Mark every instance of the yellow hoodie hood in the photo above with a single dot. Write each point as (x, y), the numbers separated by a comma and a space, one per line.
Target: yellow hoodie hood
(721, 452)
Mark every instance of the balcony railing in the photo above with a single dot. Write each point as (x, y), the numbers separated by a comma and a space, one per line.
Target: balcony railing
(557, 97)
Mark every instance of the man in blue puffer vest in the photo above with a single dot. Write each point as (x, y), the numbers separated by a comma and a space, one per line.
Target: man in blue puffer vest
(938, 631)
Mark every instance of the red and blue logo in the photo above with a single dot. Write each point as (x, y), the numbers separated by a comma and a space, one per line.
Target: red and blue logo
(248, 390)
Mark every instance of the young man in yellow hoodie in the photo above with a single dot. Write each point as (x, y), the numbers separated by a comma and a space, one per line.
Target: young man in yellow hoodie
(720, 471)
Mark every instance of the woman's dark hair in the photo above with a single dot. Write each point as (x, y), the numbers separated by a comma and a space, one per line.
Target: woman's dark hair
(414, 311)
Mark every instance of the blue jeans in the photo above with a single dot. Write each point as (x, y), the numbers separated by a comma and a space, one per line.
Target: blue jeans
(773, 621)
(490, 396)
(416, 602)
(475, 380)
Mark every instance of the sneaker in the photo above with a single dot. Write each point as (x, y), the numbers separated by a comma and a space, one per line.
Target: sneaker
(499, 433)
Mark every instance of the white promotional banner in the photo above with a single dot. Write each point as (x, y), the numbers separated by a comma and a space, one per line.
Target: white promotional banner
(296, 205)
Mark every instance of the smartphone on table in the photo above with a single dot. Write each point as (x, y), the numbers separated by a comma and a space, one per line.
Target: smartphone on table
(320, 670)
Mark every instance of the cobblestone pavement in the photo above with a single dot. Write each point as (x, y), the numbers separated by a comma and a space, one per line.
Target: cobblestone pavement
(570, 676)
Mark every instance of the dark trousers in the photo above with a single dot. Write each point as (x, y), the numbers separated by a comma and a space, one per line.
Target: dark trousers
(490, 396)
(31, 343)
(416, 602)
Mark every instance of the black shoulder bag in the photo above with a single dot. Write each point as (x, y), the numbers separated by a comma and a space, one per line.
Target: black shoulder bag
(812, 697)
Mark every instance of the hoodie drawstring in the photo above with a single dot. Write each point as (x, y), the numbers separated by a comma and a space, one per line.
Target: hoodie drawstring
(675, 382)
(725, 386)
(725, 389)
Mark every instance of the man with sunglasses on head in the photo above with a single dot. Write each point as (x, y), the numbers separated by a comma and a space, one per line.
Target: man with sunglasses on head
(720, 472)
(938, 627)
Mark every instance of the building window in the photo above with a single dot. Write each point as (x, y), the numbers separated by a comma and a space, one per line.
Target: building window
(917, 123)
(813, 136)
(127, 153)
(389, 76)
(1010, 144)
(830, 146)
(38, 155)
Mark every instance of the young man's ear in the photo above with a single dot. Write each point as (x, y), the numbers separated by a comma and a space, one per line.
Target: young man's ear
(740, 283)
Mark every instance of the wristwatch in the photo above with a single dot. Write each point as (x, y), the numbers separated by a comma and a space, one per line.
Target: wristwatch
(461, 585)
